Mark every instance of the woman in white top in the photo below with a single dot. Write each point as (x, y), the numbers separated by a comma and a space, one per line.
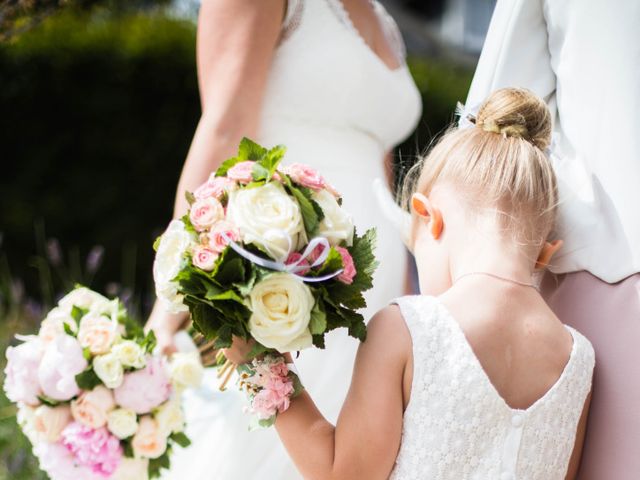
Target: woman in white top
(481, 381)
(583, 58)
(327, 78)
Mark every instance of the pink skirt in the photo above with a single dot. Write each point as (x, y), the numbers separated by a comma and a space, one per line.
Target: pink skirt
(609, 316)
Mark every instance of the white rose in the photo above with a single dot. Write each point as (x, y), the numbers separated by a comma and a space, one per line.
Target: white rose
(50, 421)
(132, 469)
(186, 369)
(122, 422)
(337, 225)
(109, 369)
(129, 353)
(170, 417)
(170, 259)
(84, 298)
(281, 309)
(267, 217)
(53, 324)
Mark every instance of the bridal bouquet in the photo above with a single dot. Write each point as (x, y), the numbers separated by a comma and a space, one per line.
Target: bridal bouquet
(266, 252)
(92, 398)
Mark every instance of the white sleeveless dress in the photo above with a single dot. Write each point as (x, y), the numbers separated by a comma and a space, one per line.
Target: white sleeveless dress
(458, 427)
(337, 107)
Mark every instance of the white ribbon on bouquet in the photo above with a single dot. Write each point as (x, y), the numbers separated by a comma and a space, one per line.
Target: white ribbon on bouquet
(293, 268)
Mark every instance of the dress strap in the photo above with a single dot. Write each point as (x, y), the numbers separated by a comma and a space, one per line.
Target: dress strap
(292, 18)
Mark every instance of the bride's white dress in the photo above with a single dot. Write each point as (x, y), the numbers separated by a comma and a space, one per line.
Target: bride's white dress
(338, 107)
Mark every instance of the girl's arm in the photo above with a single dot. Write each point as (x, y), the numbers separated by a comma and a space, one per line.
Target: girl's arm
(576, 456)
(365, 442)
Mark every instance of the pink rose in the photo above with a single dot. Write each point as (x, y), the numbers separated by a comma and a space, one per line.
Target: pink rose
(315, 253)
(205, 212)
(50, 421)
(305, 176)
(214, 187)
(204, 257)
(97, 333)
(60, 463)
(93, 448)
(21, 373)
(92, 408)
(349, 272)
(62, 361)
(302, 266)
(217, 240)
(143, 390)
(149, 441)
(241, 172)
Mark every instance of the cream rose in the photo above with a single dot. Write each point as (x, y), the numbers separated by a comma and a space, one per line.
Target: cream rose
(337, 225)
(281, 309)
(50, 421)
(170, 417)
(132, 469)
(186, 369)
(53, 324)
(91, 408)
(84, 298)
(267, 217)
(170, 259)
(149, 441)
(97, 333)
(129, 353)
(122, 422)
(109, 369)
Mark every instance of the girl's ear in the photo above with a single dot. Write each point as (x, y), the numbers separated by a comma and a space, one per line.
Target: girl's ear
(423, 207)
(548, 250)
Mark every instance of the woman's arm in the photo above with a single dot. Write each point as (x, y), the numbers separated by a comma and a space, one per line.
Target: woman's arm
(576, 456)
(365, 442)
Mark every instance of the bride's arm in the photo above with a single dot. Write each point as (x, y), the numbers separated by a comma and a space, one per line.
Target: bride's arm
(236, 41)
(365, 442)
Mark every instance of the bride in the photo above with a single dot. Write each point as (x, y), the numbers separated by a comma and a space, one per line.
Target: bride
(327, 78)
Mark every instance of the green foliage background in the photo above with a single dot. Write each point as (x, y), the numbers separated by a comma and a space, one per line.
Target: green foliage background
(97, 112)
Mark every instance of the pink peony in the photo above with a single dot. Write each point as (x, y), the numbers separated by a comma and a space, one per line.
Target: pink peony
(60, 463)
(145, 389)
(349, 272)
(204, 257)
(205, 212)
(21, 382)
(217, 240)
(305, 176)
(62, 361)
(214, 187)
(302, 266)
(241, 172)
(93, 448)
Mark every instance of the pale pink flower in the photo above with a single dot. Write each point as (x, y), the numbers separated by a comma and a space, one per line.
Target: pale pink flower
(205, 212)
(97, 333)
(279, 369)
(315, 253)
(349, 272)
(241, 172)
(217, 240)
(273, 399)
(149, 441)
(305, 176)
(96, 449)
(60, 464)
(50, 421)
(214, 187)
(302, 265)
(204, 257)
(21, 373)
(62, 361)
(92, 408)
(143, 390)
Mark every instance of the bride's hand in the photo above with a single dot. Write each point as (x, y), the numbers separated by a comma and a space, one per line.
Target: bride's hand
(239, 351)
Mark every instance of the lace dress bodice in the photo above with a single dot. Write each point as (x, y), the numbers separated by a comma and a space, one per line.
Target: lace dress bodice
(458, 427)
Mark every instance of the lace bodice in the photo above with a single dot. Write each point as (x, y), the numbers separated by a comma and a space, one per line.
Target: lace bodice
(458, 427)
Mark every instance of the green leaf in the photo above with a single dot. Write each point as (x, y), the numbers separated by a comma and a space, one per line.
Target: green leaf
(188, 226)
(156, 243)
(157, 464)
(267, 422)
(226, 166)
(258, 349)
(333, 263)
(309, 214)
(250, 150)
(269, 162)
(298, 388)
(149, 342)
(318, 341)
(318, 321)
(88, 379)
(49, 402)
(181, 439)
(68, 330)
(77, 313)
(189, 197)
(259, 172)
(127, 448)
(86, 353)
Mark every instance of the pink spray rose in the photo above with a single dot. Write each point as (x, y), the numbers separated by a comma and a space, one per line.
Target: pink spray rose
(217, 240)
(274, 398)
(93, 448)
(349, 272)
(204, 257)
(92, 408)
(21, 373)
(302, 268)
(62, 361)
(205, 212)
(241, 172)
(305, 176)
(143, 390)
(214, 187)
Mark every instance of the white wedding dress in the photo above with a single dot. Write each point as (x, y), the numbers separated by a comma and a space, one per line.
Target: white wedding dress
(339, 108)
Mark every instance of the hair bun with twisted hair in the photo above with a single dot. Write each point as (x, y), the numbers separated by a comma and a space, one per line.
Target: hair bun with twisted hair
(516, 112)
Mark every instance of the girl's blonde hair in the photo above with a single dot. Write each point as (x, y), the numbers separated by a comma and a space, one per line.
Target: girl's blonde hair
(499, 164)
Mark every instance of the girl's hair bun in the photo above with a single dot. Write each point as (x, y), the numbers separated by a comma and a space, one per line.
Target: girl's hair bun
(516, 112)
